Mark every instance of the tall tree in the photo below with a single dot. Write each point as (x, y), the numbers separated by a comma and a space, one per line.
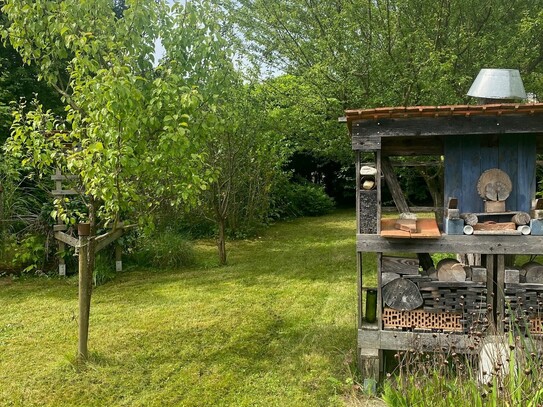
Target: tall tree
(391, 52)
(127, 134)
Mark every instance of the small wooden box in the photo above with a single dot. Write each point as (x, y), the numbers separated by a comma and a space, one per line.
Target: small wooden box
(494, 206)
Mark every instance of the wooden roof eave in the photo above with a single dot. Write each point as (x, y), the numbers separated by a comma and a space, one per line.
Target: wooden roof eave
(423, 134)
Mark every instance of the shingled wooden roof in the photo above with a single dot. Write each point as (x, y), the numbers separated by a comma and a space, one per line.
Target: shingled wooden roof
(443, 111)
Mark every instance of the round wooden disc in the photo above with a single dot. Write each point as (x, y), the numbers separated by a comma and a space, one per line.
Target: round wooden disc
(494, 185)
(402, 294)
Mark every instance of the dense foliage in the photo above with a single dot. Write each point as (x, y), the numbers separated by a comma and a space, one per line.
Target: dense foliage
(239, 116)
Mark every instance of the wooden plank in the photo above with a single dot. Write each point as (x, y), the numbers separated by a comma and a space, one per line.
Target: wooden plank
(395, 340)
(60, 228)
(500, 296)
(453, 244)
(490, 226)
(407, 225)
(504, 232)
(107, 238)
(526, 173)
(489, 263)
(394, 185)
(471, 171)
(359, 285)
(426, 229)
(389, 230)
(453, 169)
(65, 238)
(489, 151)
(60, 177)
(63, 192)
(508, 156)
(369, 142)
(450, 126)
(379, 187)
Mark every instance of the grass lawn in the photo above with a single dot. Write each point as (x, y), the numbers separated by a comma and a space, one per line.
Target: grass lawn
(276, 327)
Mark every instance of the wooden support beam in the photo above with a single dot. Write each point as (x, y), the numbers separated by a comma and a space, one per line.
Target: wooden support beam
(63, 192)
(65, 238)
(107, 238)
(496, 244)
(398, 340)
(394, 185)
(118, 258)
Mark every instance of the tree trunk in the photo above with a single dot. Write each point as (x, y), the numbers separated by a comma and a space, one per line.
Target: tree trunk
(87, 255)
(221, 241)
(85, 292)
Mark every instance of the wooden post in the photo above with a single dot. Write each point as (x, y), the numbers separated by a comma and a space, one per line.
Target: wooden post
(500, 294)
(489, 262)
(85, 291)
(118, 258)
(369, 363)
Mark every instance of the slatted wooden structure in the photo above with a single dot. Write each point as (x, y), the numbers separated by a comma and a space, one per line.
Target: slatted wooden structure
(61, 228)
(472, 140)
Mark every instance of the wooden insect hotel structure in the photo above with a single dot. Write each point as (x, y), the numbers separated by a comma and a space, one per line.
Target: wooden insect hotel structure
(489, 218)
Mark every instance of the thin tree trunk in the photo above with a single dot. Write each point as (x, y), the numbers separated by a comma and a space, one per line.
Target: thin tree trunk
(87, 256)
(221, 241)
(85, 291)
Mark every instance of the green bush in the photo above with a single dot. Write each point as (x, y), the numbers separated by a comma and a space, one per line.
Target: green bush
(104, 269)
(291, 200)
(164, 250)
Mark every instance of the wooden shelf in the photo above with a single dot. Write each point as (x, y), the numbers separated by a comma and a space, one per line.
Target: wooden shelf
(479, 244)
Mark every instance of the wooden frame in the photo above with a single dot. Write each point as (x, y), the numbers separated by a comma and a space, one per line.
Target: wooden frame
(406, 136)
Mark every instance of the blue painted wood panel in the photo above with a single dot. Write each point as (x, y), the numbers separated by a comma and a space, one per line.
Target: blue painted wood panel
(508, 162)
(467, 157)
(526, 172)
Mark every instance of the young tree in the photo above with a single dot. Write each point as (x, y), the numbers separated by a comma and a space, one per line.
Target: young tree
(127, 135)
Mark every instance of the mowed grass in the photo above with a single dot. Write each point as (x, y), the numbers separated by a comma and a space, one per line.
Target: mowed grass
(276, 327)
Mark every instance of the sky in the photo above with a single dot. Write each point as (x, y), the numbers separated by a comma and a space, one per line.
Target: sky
(159, 49)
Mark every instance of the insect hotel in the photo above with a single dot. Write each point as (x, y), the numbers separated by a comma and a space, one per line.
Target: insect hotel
(439, 275)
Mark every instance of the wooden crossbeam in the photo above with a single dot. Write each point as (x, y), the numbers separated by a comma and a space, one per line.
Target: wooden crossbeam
(65, 238)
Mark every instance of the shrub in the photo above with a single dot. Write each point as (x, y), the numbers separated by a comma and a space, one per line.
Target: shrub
(164, 250)
(104, 267)
(291, 200)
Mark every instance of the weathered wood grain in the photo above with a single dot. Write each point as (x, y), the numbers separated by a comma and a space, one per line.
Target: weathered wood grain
(521, 218)
(394, 340)
(453, 244)
(534, 272)
(450, 270)
(402, 294)
(469, 218)
(400, 265)
(393, 185)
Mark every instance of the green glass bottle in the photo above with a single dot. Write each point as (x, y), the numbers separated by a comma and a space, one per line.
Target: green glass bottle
(371, 305)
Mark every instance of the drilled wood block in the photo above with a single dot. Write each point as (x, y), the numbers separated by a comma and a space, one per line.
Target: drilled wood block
(368, 212)
(478, 274)
(512, 276)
